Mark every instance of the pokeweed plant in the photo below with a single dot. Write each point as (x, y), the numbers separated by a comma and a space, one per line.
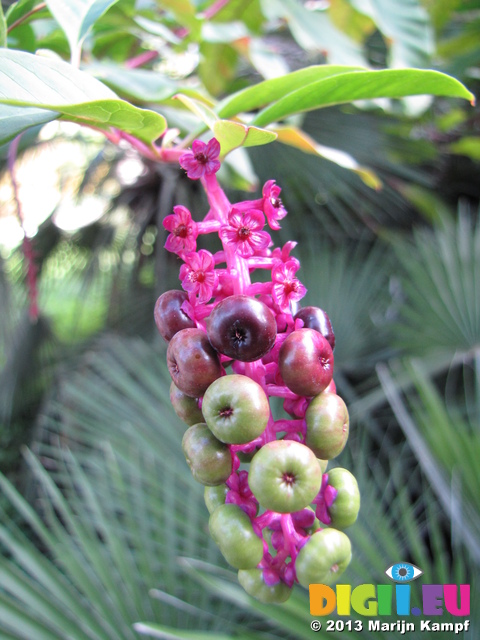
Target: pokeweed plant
(273, 351)
(262, 519)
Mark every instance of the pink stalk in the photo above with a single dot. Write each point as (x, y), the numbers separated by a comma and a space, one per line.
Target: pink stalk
(142, 59)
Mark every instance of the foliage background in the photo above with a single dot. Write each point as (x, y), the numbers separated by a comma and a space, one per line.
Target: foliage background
(103, 531)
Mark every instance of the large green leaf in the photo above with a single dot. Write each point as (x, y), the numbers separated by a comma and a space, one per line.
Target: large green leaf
(32, 81)
(77, 18)
(140, 84)
(269, 91)
(14, 120)
(362, 85)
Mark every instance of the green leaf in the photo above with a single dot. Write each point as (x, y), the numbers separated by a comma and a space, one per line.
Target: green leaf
(3, 28)
(269, 91)
(468, 146)
(184, 12)
(199, 108)
(363, 85)
(32, 81)
(140, 84)
(77, 18)
(232, 135)
(14, 120)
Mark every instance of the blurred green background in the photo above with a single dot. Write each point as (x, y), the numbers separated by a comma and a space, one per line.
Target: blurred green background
(103, 531)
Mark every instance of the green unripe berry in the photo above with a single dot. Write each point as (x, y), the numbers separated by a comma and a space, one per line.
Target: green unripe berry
(284, 476)
(185, 407)
(232, 530)
(215, 496)
(209, 459)
(253, 583)
(345, 508)
(323, 558)
(236, 409)
(327, 425)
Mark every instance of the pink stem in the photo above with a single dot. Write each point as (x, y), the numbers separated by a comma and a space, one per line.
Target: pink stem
(215, 8)
(140, 60)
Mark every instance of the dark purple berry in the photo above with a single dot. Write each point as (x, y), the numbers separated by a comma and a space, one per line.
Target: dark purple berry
(169, 316)
(242, 328)
(306, 362)
(315, 318)
(192, 362)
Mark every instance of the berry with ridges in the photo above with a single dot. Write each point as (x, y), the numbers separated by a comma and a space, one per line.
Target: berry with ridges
(215, 496)
(186, 407)
(252, 580)
(344, 510)
(284, 476)
(192, 362)
(242, 328)
(209, 459)
(169, 316)
(323, 558)
(328, 425)
(236, 409)
(232, 530)
(315, 318)
(306, 362)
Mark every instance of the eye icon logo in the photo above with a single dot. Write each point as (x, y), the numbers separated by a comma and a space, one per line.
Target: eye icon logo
(403, 572)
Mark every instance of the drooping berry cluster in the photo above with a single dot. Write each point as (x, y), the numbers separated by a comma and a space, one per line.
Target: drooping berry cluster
(232, 345)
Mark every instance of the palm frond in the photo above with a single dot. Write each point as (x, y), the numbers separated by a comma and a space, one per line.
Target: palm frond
(441, 272)
(446, 448)
(351, 284)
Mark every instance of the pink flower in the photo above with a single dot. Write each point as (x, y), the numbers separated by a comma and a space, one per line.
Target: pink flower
(286, 287)
(272, 204)
(244, 231)
(198, 275)
(183, 236)
(202, 159)
(283, 254)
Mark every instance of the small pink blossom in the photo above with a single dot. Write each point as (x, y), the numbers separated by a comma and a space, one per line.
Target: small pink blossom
(286, 287)
(202, 159)
(198, 275)
(283, 254)
(183, 231)
(272, 204)
(244, 231)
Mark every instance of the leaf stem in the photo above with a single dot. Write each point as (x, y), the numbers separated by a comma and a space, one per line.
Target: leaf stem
(140, 60)
(36, 9)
